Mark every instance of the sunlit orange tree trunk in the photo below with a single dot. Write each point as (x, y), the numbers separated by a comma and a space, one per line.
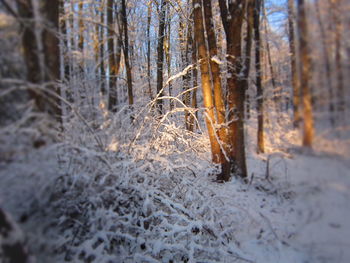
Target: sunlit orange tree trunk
(217, 89)
(205, 78)
(305, 64)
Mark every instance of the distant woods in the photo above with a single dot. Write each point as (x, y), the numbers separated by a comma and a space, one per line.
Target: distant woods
(228, 63)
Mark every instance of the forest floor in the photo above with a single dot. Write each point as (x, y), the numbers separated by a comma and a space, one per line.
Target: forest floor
(158, 202)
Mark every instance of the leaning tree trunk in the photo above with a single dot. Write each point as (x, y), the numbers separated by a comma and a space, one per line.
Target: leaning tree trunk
(218, 96)
(205, 77)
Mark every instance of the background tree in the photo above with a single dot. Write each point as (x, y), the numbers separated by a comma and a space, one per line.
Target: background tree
(305, 64)
(160, 54)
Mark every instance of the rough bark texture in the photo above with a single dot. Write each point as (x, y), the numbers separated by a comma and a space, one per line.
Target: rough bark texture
(160, 55)
(259, 88)
(236, 91)
(205, 77)
(305, 64)
(294, 68)
(126, 53)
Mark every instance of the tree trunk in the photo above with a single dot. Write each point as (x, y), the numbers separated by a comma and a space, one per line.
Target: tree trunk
(126, 54)
(167, 48)
(326, 52)
(64, 37)
(276, 93)
(218, 97)
(305, 64)
(338, 63)
(186, 47)
(294, 69)
(113, 92)
(194, 83)
(160, 55)
(248, 47)
(81, 27)
(205, 77)
(149, 16)
(30, 46)
(259, 88)
(232, 19)
(102, 49)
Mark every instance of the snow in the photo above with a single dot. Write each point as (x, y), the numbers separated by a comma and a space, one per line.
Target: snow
(160, 203)
(217, 60)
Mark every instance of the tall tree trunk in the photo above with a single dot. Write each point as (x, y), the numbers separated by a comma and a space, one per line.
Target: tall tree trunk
(113, 92)
(185, 49)
(149, 16)
(305, 64)
(335, 11)
(248, 47)
(259, 88)
(232, 19)
(294, 68)
(218, 97)
(30, 46)
(194, 83)
(102, 49)
(81, 27)
(205, 77)
(276, 93)
(326, 52)
(167, 48)
(126, 54)
(160, 55)
(50, 13)
(64, 37)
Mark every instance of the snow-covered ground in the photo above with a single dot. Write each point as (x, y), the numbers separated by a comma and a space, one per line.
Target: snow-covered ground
(149, 196)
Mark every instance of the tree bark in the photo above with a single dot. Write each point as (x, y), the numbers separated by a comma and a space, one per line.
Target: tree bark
(294, 68)
(205, 77)
(113, 67)
(338, 63)
(305, 64)
(126, 54)
(217, 88)
(232, 19)
(326, 52)
(259, 88)
(149, 16)
(248, 47)
(102, 49)
(160, 55)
